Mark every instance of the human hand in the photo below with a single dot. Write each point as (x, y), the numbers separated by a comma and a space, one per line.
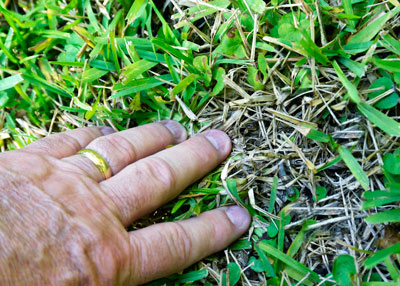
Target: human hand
(63, 223)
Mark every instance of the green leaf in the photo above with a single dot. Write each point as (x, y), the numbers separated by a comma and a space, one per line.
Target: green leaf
(348, 9)
(312, 49)
(257, 264)
(175, 52)
(317, 135)
(231, 45)
(136, 9)
(272, 251)
(262, 65)
(254, 79)
(300, 238)
(370, 30)
(219, 76)
(380, 255)
(139, 85)
(257, 6)
(391, 44)
(203, 67)
(381, 120)
(391, 163)
(354, 167)
(266, 264)
(10, 81)
(134, 70)
(89, 114)
(379, 198)
(192, 276)
(351, 89)
(233, 272)
(49, 86)
(241, 244)
(92, 17)
(272, 229)
(383, 217)
(92, 74)
(344, 270)
(274, 191)
(184, 84)
(356, 48)
(357, 68)
(321, 193)
(391, 65)
(231, 185)
(265, 47)
(385, 84)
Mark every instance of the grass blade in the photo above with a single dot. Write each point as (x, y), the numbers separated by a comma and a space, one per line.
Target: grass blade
(354, 167)
(10, 81)
(380, 255)
(272, 251)
(134, 70)
(383, 217)
(370, 30)
(381, 120)
(352, 90)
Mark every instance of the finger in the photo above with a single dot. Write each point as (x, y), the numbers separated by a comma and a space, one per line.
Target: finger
(166, 248)
(67, 143)
(123, 148)
(149, 183)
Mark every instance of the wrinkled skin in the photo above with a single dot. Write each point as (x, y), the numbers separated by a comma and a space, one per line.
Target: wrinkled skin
(63, 223)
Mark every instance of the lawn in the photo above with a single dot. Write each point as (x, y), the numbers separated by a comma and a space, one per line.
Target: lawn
(307, 90)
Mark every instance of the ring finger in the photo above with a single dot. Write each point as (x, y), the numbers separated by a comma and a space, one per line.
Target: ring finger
(123, 148)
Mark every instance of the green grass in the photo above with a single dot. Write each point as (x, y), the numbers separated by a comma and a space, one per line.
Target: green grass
(307, 90)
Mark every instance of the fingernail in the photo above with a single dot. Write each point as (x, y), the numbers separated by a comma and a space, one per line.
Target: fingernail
(106, 130)
(239, 216)
(220, 140)
(177, 130)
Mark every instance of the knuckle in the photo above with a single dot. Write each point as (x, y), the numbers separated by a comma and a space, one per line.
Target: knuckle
(68, 140)
(115, 144)
(56, 141)
(160, 171)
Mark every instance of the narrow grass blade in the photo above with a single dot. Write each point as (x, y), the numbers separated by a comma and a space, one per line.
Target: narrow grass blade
(92, 74)
(370, 30)
(381, 255)
(383, 217)
(134, 70)
(184, 84)
(140, 85)
(381, 120)
(274, 190)
(136, 9)
(357, 68)
(352, 90)
(192, 276)
(10, 81)
(392, 65)
(354, 167)
(391, 44)
(272, 251)
(35, 80)
(167, 48)
(264, 259)
(348, 9)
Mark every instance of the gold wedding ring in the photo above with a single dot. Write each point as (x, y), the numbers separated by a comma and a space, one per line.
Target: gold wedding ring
(98, 161)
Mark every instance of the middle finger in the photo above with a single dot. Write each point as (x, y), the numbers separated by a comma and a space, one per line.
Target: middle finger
(147, 184)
